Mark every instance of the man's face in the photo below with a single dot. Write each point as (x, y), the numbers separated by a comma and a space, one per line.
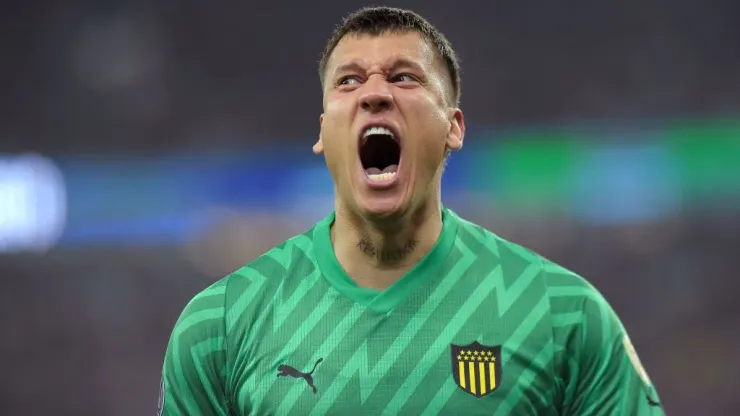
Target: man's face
(387, 123)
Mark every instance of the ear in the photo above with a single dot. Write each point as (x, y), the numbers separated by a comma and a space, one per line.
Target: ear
(318, 148)
(456, 134)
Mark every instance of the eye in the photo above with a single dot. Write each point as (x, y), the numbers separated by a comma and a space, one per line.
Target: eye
(348, 80)
(404, 78)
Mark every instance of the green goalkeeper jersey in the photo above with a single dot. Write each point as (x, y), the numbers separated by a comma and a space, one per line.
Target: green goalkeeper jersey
(480, 326)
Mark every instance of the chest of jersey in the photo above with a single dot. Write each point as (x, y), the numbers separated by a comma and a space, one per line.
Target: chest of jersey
(452, 357)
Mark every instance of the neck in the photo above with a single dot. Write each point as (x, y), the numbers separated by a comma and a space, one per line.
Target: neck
(377, 253)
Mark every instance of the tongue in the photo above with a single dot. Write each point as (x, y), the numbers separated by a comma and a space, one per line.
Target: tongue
(388, 169)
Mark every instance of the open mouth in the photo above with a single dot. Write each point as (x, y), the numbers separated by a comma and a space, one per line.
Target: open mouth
(380, 153)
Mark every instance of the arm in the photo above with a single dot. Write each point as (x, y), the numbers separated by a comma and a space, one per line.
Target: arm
(606, 377)
(194, 370)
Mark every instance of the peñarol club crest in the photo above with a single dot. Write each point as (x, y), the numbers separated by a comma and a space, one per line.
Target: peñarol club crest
(476, 368)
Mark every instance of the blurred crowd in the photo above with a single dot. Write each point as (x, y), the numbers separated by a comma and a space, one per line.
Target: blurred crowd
(139, 76)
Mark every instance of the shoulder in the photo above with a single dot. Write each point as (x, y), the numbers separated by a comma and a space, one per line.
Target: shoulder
(579, 315)
(573, 290)
(509, 253)
(273, 267)
(199, 328)
(566, 290)
(203, 309)
(251, 289)
(516, 262)
(250, 281)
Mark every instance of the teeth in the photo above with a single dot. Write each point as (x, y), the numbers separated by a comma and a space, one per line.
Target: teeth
(376, 130)
(382, 176)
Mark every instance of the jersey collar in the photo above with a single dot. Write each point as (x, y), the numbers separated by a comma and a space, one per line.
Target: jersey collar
(385, 300)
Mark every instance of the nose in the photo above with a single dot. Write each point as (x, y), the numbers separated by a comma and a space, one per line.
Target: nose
(376, 97)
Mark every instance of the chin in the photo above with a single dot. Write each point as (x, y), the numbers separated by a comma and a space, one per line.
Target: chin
(382, 207)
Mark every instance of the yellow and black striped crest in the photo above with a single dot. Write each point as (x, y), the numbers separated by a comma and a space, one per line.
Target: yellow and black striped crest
(476, 368)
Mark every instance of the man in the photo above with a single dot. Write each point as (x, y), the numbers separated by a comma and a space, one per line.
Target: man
(393, 304)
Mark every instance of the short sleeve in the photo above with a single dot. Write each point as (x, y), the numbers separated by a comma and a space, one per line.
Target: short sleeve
(605, 374)
(194, 370)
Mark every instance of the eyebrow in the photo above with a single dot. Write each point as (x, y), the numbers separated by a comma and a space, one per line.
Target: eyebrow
(406, 63)
(352, 66)
(356, 66)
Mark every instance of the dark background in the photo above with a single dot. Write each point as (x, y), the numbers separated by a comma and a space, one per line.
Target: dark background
(171, 144)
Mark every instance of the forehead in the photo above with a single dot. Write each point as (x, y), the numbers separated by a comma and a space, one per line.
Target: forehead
(383, 50)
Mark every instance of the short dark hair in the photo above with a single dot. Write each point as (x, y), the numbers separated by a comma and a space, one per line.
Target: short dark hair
(376, 21)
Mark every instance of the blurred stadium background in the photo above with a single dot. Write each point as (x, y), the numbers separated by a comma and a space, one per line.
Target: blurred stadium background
(148, 148)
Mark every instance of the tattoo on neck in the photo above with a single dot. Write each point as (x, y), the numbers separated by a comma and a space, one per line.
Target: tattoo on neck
(390, 255)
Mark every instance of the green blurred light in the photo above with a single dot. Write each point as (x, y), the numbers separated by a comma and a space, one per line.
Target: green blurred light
(709, 156)
(537, 168)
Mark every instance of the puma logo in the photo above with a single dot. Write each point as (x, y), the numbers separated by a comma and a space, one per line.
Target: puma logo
(286, 370)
